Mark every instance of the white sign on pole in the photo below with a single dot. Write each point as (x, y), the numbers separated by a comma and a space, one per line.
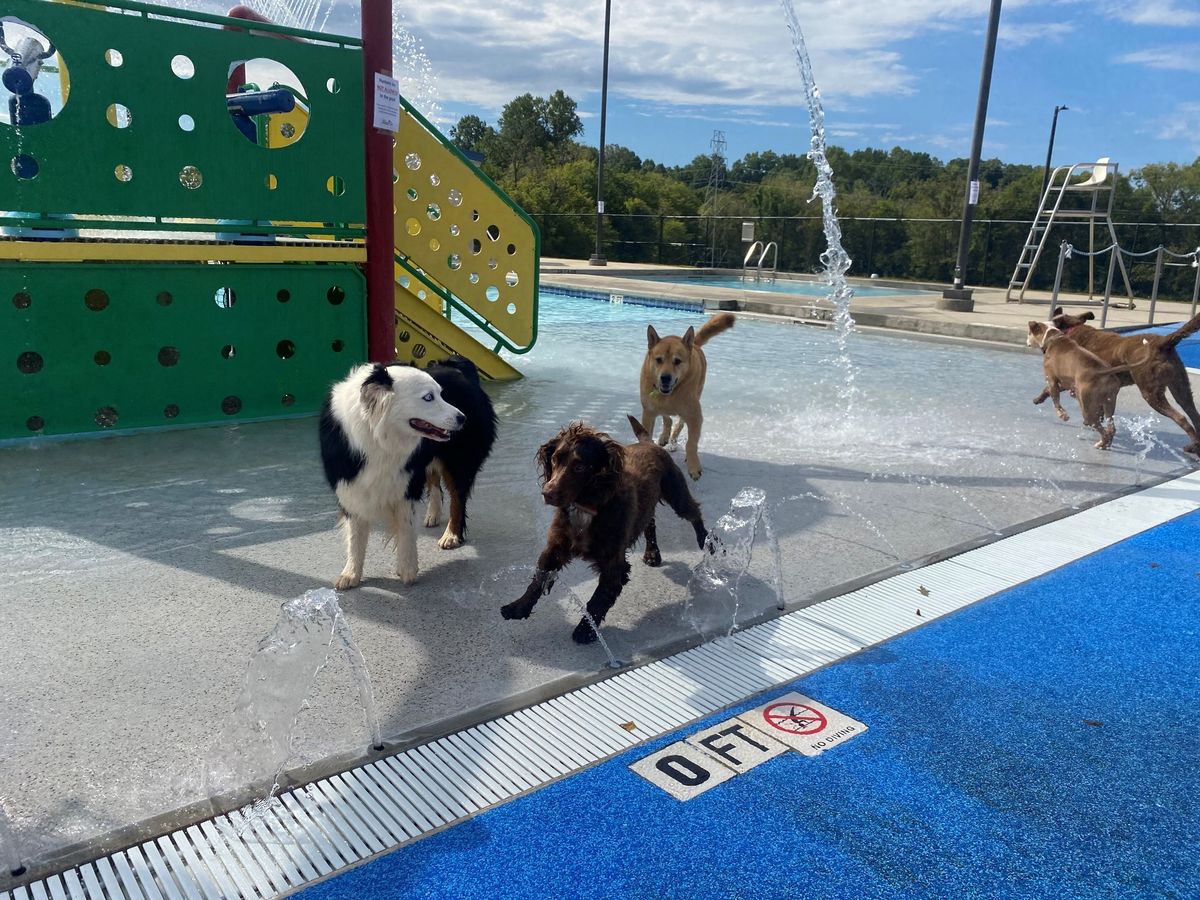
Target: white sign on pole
(387, 103)
(973, 196)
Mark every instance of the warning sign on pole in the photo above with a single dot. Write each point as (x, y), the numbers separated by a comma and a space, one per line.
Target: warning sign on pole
(803, 724)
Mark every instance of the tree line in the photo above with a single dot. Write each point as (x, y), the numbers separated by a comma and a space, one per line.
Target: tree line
(899, 209)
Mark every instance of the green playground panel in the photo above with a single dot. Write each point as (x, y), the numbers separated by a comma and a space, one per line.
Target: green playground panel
(180, 152)
(106, 347)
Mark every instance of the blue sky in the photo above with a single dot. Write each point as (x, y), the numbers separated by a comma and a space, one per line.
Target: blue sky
(898, 72)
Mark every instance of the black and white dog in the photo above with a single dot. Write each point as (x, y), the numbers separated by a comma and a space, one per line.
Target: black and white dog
(455, 462)
(372, 425)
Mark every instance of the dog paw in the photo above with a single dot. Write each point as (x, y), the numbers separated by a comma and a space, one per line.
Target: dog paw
(449, 541)
(518, 609)
(1063, 415)
(345, 582)
(695, 473)
(584, 633)
(406, 574)
(431, 519)
(663, 441)
(652, 558)
(1038, 400)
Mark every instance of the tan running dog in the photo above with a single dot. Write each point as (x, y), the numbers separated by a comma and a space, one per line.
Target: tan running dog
(1154, 365)
(672, 380)
(1069, 367)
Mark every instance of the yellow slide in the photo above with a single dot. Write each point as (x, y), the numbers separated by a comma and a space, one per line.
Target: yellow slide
(463, 249)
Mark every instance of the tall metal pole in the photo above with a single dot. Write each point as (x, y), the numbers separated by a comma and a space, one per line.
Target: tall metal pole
(958, 292)
(598, 257)
(1050, 149)
(381, 226)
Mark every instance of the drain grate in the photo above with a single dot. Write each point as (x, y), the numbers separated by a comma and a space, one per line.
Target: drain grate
(342, 820)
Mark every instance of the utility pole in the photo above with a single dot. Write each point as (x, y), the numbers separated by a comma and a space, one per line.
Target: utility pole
(598, 257)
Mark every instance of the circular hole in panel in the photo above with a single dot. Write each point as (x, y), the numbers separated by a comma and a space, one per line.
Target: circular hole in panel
(412, 161)
(122, 172)
(336, 185)
(231, 405)
(404, 282)
(95, 300)
(283, 295)
(228, 351)
(493, 232)
(511, 249)
(287, 400)
(455, 197)
(285, 349)
(271, 182)
(266, 102)
(473, 278)
(474, 215)
(25, 167)
(225, 298)
(492, 263)
(338, 346)
(335, 295)
(106, 416)
(186, 123)
(492, 293)
(168, 356)
(421, 294)
(454, 261)
(512, 309)
(333, 86)
(433, 211)
(411, 193)
(190, 177)
(435, 245)
(102, 357)
(476, 246)
(164, 298)
(404, 336)
(30, 100)
(434, 179)
(114, 58)
(171, 410)
(413, 227)
(182, 66)
(35, 423)
(30, 362)
(22, 300)
(454, 230)
(511, 279)
(118, 115)
(395, 176)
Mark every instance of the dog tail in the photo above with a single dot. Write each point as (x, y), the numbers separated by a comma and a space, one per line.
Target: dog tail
(713, 327)
(642, 435)
(1116, 370)
(1175, 337)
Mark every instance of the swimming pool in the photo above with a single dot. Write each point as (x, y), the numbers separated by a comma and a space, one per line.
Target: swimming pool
(784, 286)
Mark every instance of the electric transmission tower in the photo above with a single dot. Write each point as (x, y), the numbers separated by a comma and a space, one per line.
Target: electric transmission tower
(716, 175)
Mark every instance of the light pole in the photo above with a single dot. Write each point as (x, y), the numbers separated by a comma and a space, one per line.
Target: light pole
(1050, 149)
(959, 297)
(598, 257)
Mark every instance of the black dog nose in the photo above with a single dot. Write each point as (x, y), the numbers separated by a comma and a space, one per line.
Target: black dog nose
(666, 381)
(459, 419)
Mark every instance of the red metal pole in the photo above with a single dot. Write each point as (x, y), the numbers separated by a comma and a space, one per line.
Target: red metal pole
(381, 230)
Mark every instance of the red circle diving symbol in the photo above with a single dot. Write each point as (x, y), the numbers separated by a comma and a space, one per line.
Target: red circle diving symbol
(794, 718)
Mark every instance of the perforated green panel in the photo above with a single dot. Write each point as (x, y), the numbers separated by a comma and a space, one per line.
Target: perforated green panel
(86, 348)
(210, 171)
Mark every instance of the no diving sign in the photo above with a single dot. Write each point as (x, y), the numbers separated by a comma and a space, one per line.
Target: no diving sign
(720, 752)
(803, 724)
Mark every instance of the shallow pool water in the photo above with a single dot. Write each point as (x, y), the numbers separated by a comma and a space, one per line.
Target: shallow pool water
(781, 286)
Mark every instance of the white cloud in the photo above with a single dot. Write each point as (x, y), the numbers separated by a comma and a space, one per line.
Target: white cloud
(1180, 58)
(1168, 13)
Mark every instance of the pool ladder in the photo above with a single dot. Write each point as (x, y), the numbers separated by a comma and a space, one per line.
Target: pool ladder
(771, 248)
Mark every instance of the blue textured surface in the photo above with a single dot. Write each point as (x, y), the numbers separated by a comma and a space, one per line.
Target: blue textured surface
(1189, 347)
(980, 774)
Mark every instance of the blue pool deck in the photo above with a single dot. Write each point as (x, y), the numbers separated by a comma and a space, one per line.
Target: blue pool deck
(1042, 742)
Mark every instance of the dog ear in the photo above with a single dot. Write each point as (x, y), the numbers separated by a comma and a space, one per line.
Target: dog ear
(545, 454)
(652, 337)
(1058, 311)
(1088, 315)
(614, 464)
(689, 337)
(376, 394)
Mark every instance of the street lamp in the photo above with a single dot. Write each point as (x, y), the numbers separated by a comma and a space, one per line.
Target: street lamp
(598, 257)
(958, 297)
(1050, 149)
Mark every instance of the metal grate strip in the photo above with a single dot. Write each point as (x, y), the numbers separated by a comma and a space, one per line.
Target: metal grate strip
(338, 821)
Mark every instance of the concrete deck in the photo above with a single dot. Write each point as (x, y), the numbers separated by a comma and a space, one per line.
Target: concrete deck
(140, 571)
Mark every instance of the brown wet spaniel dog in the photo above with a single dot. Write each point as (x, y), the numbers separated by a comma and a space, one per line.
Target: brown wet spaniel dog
(605, 495)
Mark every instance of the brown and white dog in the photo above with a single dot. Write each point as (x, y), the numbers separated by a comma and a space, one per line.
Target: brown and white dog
(1069, 367)
(1153, 365)
(604, 496)
(673, 374)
